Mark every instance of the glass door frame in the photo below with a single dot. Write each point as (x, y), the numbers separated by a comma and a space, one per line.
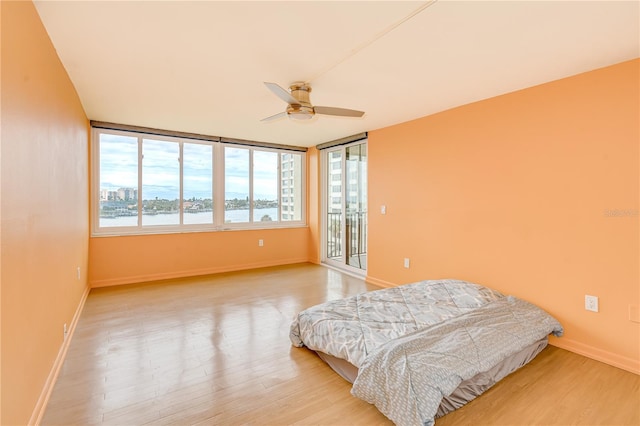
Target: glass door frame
(337, 262)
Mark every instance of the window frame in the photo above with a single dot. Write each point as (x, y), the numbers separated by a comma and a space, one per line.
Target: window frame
(218, 188)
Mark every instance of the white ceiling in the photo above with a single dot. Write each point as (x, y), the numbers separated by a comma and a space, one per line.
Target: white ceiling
(199, 66)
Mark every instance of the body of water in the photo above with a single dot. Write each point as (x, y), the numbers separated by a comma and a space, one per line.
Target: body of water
(230, 216)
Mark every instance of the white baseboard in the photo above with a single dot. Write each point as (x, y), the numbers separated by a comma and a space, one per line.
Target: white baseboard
(380, 283)
(41, 405)
(619, 361)
(135, 279)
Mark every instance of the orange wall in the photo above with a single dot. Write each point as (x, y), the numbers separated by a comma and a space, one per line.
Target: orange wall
(44, 229)
(534, 193)
(129, 259)
(313, 205)
(0, 223)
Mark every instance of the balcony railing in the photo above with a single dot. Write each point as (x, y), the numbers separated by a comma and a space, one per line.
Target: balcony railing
(355, 245)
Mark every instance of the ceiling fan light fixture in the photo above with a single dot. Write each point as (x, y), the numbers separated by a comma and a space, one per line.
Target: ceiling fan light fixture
(300, 112)
(300, 116)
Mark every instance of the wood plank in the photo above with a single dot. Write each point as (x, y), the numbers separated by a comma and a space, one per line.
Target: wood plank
(215, 350)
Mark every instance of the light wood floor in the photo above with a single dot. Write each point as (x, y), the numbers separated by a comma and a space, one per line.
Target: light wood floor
(215, 350)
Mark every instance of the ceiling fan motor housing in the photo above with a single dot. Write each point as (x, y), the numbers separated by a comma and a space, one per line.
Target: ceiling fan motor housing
(303, 110)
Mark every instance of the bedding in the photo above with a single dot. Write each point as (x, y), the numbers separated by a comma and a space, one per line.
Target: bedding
(350, 328)
(468, 389)
(413, 346)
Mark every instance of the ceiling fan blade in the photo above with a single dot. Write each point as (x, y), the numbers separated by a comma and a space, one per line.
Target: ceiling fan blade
(342, 112)
(281, 93)
(275, 117)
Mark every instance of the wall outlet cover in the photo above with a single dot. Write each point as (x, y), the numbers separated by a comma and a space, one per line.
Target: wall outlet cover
(591, 303)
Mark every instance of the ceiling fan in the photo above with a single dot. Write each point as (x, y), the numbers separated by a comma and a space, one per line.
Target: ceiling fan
(299, 106)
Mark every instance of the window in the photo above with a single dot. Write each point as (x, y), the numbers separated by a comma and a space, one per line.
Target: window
(236, 185)
(162, 184)
(197, 183)
(251, 185)
(118, 181)
(265, 186)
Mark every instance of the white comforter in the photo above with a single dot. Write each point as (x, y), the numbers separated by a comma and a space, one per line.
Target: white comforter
(351, 328)
(407, 378)
(415, 343)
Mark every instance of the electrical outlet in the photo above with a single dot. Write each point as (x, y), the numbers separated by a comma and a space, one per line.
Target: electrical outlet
(383, 209)
(78, 272)
(591, 303)
(260, 243)
(64, 331)
(407, 262)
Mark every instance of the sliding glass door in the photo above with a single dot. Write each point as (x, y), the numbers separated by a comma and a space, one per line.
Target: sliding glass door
(345, 207)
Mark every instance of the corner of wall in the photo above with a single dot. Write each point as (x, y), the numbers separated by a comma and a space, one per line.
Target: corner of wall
(41, 405)
(380, 283)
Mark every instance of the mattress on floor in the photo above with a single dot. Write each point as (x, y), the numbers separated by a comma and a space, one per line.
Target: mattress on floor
(421, 350)
(468, 389)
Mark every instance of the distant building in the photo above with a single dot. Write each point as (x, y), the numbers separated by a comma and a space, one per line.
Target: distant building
(127, 194)
(291, 187)
(121, 194)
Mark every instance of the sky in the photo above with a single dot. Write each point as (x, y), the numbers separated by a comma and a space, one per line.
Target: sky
(161, 169)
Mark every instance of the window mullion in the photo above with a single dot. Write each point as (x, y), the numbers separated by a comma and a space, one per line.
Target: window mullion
(218, 183)
(343, 225)
(251, 205)
(96, 190)
(279, 188)
(214, 180)
(181, 180)
(140, 159)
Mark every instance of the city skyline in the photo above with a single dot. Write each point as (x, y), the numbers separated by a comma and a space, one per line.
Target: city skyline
(228, 196)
